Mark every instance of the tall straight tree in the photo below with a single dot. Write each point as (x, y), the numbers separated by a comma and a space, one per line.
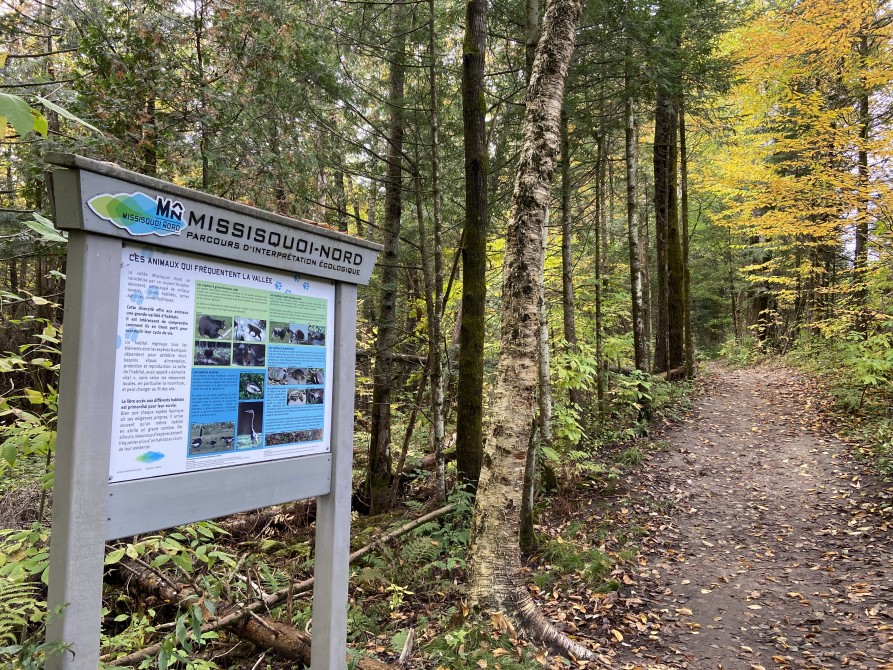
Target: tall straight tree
(470, 388)
(632, 218)
(378, 474)
(683, 214)
(670, 332)
(495, 576)
(575, 395)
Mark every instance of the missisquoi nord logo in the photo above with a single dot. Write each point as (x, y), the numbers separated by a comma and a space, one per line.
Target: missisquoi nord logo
(139, 214)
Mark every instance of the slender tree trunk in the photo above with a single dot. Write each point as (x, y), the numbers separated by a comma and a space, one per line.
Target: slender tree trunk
(543, 426)
(495, 574)
(198, 24)
(531, 35)
(540, 419)
(469, 410)
(686, 270)
(861, 255)
(378, 475)
(322, 180)
(340, 199)
(567, 261)
(149, 144)
(632, 220)
(733, 295)
(645, 254)
(435, 310)
(599, 270)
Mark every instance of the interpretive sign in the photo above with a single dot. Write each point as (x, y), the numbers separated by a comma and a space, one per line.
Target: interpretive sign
(207, 368)
(217, 365)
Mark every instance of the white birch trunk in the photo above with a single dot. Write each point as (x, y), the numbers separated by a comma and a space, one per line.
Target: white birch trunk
(496, 578)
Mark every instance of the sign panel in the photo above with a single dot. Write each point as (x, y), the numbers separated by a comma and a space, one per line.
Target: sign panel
(123, 204)
(217, 364)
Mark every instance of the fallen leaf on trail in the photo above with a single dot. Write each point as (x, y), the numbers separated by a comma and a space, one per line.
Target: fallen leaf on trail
(684, 611)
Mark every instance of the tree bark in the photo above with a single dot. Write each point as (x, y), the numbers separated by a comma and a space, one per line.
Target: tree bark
(599, 267)
(436, 351)
(541, 419)
(470, 386)
(495, 565)
(378, 473)
(575, 396)
(861, 251)
(686, 270)
(632, 221)
(543, 426)
(668, 349)
(645, 254)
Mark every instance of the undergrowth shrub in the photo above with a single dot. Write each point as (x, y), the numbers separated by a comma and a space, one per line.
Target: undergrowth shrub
(563, 558)
(857, 371)
(741, 352)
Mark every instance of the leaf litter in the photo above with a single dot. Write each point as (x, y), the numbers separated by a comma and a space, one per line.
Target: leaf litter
(762, 544)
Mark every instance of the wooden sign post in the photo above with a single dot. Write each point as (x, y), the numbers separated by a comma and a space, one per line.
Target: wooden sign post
(207, 368)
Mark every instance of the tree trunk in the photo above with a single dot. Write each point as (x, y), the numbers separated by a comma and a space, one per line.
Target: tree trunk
(567, 263)
(149, 142)
(527, 537)
(645, 254)
(668, 349)
(378, 473)
(543, 426)
(861, 255)
(495, 562)
(435, 348)
(632, 220)
(470, 387)
(340, 198)
(322, 180)
(686, 270)
(599, 269)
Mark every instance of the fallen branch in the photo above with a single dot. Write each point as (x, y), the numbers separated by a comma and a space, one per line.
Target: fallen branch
(266, 633)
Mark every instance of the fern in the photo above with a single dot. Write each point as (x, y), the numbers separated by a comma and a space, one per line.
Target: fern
(426, 529)
(18, 606)
(420, 551)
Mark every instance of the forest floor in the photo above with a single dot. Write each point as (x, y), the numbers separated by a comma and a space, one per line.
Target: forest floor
(773, 547)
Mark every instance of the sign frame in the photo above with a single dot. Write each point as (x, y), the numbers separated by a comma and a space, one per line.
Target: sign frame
(87, 509)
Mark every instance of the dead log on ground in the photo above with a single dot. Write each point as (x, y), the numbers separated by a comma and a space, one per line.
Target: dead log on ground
(243, 620)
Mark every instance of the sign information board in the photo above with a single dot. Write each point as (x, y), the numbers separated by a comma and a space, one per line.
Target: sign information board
(204, 373)
(217, 364)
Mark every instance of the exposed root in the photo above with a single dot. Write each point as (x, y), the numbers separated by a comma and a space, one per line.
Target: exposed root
(538, 627)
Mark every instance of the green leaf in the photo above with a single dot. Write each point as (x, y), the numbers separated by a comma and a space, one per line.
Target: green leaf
(3, 59)
(19, 114)
(34, 397)
(160, 560)
(114, 556)
(10, 452)
(44, 227)
(39, 123)
(182, 562)
(64, 112)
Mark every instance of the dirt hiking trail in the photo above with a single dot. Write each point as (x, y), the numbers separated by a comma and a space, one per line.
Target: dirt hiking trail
(778, 552)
